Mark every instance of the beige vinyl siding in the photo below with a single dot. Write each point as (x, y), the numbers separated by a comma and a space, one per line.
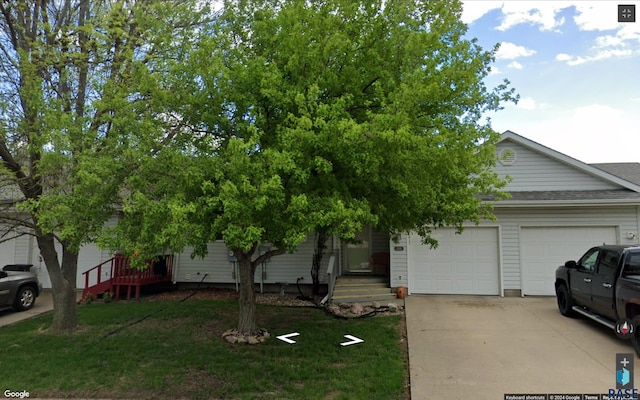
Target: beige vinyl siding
(22, 249)
(534, 171)
(215, 265)
(510, 255)
(399, 261)
(282, 268)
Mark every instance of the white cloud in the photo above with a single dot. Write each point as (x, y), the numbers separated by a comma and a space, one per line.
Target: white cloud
(592, 15)
(510, 51)
(494, 70)
(515, 65)
(527, 103)
(598, 56)
(597, 15)
(474, 10)
(609, 41)
(540, 13)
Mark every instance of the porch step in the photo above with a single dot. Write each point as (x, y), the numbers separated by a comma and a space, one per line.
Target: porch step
(350, 289)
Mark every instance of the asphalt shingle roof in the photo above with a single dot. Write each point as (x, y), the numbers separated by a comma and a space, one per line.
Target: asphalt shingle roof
(627, 171)
(571, 195)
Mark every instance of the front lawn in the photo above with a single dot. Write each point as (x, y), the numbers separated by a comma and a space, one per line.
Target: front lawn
(178, 352)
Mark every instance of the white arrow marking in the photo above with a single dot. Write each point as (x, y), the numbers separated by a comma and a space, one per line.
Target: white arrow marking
(354, 340)
(285, 338)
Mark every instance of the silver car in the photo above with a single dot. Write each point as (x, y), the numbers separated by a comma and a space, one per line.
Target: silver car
(19, 287)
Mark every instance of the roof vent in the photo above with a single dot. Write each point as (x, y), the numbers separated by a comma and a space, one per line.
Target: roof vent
(507, 157)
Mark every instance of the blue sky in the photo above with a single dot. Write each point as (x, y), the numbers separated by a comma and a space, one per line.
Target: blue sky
(577, 71)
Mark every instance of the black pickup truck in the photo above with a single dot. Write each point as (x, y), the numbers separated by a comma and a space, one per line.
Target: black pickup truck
(603, 285)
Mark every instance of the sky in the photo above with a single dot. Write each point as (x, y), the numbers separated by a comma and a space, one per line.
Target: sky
(576, 69)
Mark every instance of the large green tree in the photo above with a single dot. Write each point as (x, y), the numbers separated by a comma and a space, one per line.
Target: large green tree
(81, 105)
(321, 115)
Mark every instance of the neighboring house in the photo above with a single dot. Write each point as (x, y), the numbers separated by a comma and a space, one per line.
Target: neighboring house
(559, 207)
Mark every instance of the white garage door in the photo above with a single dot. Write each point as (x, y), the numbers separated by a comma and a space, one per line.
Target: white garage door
(461, 264)
(544, 249)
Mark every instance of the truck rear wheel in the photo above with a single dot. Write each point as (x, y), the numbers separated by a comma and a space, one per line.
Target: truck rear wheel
(565, 302)
(635, 340)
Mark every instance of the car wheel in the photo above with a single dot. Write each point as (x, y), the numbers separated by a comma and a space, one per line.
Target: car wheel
(26, 298)
(565, 302)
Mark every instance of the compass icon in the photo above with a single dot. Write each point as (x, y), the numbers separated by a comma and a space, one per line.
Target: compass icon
(625, 328)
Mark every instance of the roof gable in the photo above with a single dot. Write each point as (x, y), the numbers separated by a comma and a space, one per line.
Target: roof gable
(534, 167)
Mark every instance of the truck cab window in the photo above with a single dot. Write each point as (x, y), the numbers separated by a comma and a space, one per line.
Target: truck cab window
(588, 261)
(632, 264)
(608, 263)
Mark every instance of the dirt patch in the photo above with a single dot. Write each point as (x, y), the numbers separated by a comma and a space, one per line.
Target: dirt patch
(332, 395)
(404, 345)
(274, 299)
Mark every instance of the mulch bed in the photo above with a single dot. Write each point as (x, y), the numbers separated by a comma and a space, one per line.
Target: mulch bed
(289, 299)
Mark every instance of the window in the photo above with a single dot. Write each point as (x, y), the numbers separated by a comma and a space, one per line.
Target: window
(608, 263)
(588, 261)
(632, 264)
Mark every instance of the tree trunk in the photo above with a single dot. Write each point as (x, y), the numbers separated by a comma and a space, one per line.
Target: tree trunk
(247, 320)
(63, 283)
(321, 245)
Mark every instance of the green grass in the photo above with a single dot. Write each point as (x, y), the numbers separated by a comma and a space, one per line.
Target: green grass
(179, 353)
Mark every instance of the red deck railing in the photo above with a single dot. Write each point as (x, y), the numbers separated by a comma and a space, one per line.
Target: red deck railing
(121, 275)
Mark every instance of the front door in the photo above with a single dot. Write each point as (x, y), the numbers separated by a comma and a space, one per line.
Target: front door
(358, 253)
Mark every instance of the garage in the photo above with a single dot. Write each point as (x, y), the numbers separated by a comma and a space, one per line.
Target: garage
(543, 249)
(468, 263)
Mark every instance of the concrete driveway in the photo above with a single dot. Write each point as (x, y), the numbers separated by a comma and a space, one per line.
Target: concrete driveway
(44, 303)
(479, 347)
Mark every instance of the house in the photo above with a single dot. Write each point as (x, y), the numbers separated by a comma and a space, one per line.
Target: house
(559, 207)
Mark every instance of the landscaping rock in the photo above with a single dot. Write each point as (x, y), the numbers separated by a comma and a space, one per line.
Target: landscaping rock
(231, 339)
(252, 340)
(345, 305)
(357, 309)
(376, 305)
(393, 307)
(229, 332)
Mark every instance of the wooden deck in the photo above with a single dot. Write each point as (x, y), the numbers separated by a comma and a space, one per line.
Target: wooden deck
(115, 275)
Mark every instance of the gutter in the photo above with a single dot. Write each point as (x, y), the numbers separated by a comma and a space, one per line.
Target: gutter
(564, 203)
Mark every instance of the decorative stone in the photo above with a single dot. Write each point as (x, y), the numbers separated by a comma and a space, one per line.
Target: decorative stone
(345, 305)
(357, 309)
(334, 308)
(252, 340)
(231, 339)
(376, 305)
(393, 307)
(242, 339)
(229, 332)
(263, 333)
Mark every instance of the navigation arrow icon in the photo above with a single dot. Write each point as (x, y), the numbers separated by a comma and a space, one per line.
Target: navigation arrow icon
(354, 340)
(285, 338)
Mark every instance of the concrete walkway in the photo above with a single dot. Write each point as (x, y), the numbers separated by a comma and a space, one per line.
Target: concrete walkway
(477, 347)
